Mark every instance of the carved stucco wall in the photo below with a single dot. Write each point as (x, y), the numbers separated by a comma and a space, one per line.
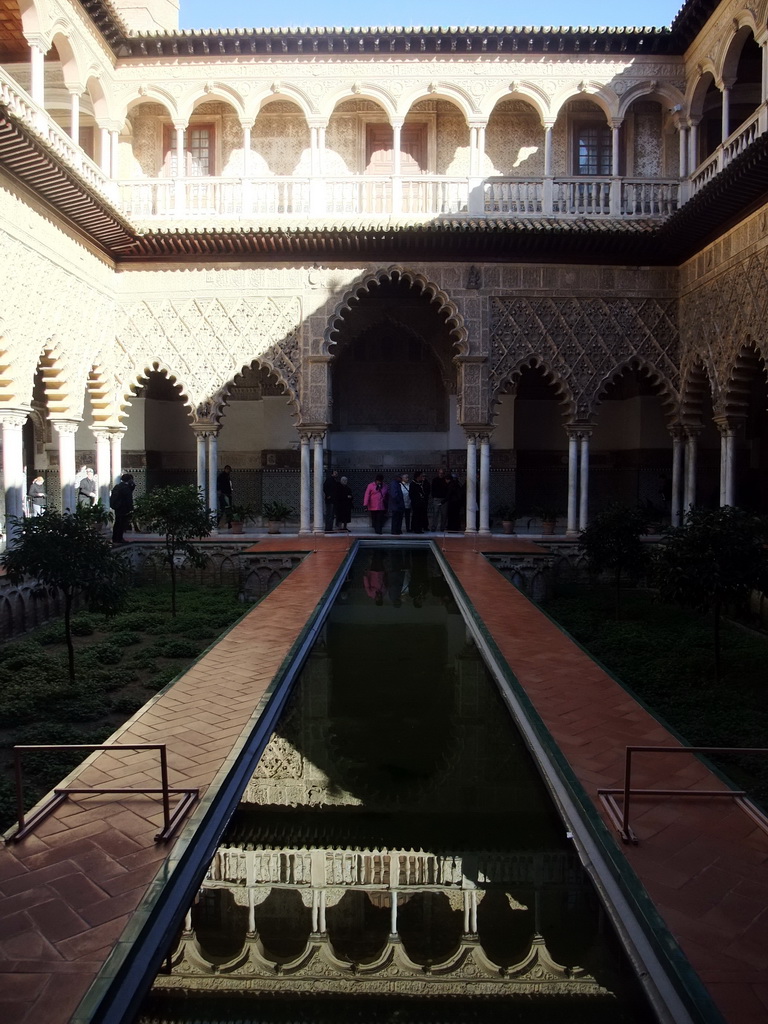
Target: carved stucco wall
(514, 141)
(724, 303)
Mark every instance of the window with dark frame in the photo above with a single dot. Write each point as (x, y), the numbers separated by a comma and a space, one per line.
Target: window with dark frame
(198, 151)
(593, 149)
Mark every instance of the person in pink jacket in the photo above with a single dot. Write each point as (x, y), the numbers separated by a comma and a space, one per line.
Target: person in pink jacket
(375, 500)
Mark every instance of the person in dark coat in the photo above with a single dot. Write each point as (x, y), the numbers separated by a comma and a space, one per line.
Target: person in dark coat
(86, 489)
(224, 494)
(400, 503)
(343, 504)
(419, 494)
(121, 503)
(455, 498)
(330, 490)
(439, 493)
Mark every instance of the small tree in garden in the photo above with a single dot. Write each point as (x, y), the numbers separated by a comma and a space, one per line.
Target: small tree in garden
(713, 562)
(68, 554)
(179, 515)
(612, 542)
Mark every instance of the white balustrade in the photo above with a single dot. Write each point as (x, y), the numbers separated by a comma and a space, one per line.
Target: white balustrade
(581, 197)
(649, 198)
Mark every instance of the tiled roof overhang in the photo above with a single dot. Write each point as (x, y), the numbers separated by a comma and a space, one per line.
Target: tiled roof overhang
(29, 161)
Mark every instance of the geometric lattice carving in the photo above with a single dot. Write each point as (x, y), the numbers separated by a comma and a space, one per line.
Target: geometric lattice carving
(582, 342)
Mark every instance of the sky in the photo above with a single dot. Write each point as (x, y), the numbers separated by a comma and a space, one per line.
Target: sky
(425, 13)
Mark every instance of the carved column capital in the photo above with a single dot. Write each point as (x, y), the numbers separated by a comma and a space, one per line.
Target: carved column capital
(64, 427)
(13, 418)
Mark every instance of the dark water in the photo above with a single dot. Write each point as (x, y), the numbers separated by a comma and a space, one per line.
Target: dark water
(396, 766)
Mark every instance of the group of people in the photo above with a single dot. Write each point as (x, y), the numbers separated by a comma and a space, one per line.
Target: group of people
(37, 497)
(415, 505)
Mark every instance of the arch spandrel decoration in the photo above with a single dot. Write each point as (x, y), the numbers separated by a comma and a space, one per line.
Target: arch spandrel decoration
(583, 341)
(208, 341)
(725, 314)
(669, 400)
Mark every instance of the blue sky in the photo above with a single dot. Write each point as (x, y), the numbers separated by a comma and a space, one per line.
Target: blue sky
(300, 13)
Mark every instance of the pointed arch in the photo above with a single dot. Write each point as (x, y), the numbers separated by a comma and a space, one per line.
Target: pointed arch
(560, 386)
(135, 382)
(221, 399)
(748, 366)
(695, 392)
(639, 365)
(446, 308)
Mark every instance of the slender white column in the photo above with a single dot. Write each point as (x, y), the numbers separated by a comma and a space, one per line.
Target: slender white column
(675, 516)
(116, 453)
(584, 482)
(305, 510)
(103, 474)
(37, 80)
(180, 162)
(105, 153)
(484, 522)
(252, 911)
(572, 525)
(466, 911)
(319, 505)
(114, 158)
(615, 148)
(13, 462)
(315, 910)
(691, 450)
(66, 429)
(321, 925)
(727, 453)
(471, 484)
(726, 113)
(202, 473)
(684, 144)
(397, 161)
(213, 470)
(693, 146)
(246, 150)
(547, 150)
(473, 160)
(74, 117)
(321, 149)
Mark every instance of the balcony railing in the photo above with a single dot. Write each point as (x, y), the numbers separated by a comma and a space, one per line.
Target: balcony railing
(418, 197)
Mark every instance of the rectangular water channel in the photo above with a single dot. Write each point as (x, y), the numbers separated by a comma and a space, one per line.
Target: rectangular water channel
(396, 855)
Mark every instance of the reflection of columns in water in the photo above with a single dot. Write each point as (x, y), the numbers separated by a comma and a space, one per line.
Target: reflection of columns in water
(319, 506)
(393, 913)
(305, 503)
(471, 483)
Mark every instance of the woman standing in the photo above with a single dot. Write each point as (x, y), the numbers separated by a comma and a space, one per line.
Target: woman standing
(343, 504)
(375, 501)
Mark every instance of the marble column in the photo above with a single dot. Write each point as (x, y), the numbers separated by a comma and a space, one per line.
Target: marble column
(103, 464)
(675, 509)
(727, 458)
(484, 521)
(37, 73)
(213, 471)
(317, 494)
(201, 437)
(66, 429)
(393, 914)
(584, 480)
(14, 483)
(471, 509)
(305, 502)
(572, 525)
(116, 453)
(691, 451)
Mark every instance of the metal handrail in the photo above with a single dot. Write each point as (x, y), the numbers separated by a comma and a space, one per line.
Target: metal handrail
(620, 818)
(170, 820)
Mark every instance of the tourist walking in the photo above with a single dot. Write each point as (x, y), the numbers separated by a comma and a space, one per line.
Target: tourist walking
(121, 503)
(439, 496)
(86, 489)
(375, 501)
(400, 504)
(419, 491)
(224, 495)
(343, 505)
(36, 496)
(330, 490)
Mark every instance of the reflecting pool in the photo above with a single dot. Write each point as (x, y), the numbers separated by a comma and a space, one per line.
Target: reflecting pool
(396, 856)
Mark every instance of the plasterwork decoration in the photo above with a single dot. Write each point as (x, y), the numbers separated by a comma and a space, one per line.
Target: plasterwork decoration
(468, 972)
(55, 310)
(583, 342)
(205, 343)
(723, 316)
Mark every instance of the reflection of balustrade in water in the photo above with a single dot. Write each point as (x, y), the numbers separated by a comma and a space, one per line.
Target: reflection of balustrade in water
(388, 868)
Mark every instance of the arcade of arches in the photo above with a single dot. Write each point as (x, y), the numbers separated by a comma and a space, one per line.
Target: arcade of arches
(555, 388)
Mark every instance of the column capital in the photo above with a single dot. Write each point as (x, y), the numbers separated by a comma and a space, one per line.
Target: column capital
(64, 426)
(204, 430)
(13, 417)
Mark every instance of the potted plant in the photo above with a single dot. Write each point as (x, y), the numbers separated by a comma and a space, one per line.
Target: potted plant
(507, 514)
(548, 515)
(275, 513)
(240, 515)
